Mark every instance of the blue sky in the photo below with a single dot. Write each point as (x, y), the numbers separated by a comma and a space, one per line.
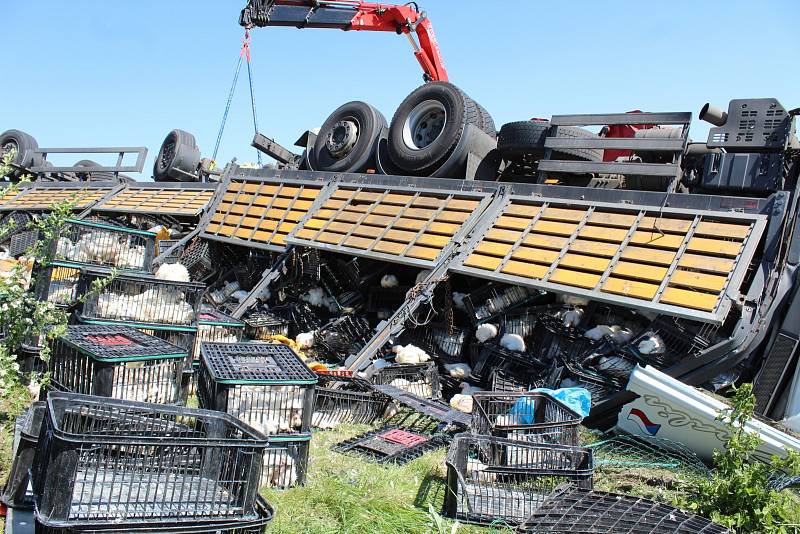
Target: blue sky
(100, 73)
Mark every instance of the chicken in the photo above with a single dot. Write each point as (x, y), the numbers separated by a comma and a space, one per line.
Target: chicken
(513, 342)
(389, 281)
(485, 332)
(410, 354)
(458, 370)
(572, 318)
(462, 403)
(305, 340)
(174, 272)
(652, 344)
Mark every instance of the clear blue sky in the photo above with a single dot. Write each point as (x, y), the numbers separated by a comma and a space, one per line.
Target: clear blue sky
(99, 72)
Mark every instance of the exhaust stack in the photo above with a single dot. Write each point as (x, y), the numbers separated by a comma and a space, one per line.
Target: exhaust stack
(713, 115)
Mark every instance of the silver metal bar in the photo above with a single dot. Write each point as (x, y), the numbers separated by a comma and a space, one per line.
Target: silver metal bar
(588, 167)
(621, 143)
(621, 118)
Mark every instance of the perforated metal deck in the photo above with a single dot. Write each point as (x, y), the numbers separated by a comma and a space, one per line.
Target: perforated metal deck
(395, 224)
(185, 200)
(260, 212)
(688, 263)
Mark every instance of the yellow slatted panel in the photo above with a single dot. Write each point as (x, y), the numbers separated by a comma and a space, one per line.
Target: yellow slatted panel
(148, 200)
(412, 226)
(265, 213)
(647, 258)
(42, 199)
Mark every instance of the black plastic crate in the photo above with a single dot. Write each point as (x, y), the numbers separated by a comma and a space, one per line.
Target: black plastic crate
(92, 243)
(264, 511)
(266, 386)
(16, 493)
(60, 284)
(531, 416)
(420, 379)
(140, 301)
(299, 316)
(344, 400)
(492, 357)
(503, 380)
(196, 257)
(342, 337)
(164, 245)
(109, 460)
(680, 342)
(22, 242)
(598, 385)
(386, 298)
(440, 343)
(118, 362)
(392, 444)
(286, 462)
(495, 480)
(491, 300)
(263, 325)
(572, 509)
(217, 327)
(434, 410)
(552, 339)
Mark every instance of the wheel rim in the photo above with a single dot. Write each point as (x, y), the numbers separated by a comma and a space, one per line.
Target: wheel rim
(424, 124)
(167, 153)
(342, 138)
(8, 147)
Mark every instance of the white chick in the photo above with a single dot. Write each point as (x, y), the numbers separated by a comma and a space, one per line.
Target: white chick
(389, 281)
(621, 336)
(422, 275)
(571, 300)
(485, 332)
(458, 370)
(513, 342)
(652, 345)
(572, 318)
(599, 332)
(174, 272)
(458, 301)
(462, 403)
(63, 247)
(410, 354)
(305, 340)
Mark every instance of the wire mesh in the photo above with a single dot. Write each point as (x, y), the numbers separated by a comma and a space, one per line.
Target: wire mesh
(571, 509)
(627, 451)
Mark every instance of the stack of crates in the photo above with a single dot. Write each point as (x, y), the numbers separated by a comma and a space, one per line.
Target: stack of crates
(212, 325)
(118, 362)
(162, 308)
(108, 465)
(83, 244)
(269, 388)
(521, 446)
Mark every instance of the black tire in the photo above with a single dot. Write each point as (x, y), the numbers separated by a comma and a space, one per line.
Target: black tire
(178, 153)
(657, 133)
(341, 148)
(517, 140)
(647, 183)
(486, 121)
(424, 150)
(581, 154)
(21, 142)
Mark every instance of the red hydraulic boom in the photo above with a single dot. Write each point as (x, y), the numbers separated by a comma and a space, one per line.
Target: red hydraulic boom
(354, 15)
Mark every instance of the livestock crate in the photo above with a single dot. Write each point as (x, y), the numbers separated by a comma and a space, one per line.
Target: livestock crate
(552, 339)
(531, 416)
(140, 301)
(164, 245)
(676, 341)
(21, 243)
(505, 381)
(85, 243)
(109, 460)
(213, 325)
(491, 300)
(264, 511)
(444, 346)
(420, 379)
(196, 257)
(342, 337)
(392, 444)
(263, 325)
(266, 386)
(118, 362)
(60, 284)
(492, 479)
(346, 400)
(286, 461)
(16, 493)
(492, 357)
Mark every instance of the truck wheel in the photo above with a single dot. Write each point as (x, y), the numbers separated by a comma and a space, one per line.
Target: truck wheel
(657, 133)
(428, 125)
(523, 138)
(486, 121)
(20, 143)
(178, 152)
(348, 139)
(581, 154)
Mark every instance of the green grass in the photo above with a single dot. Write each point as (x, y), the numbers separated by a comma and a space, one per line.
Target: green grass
(344, 494)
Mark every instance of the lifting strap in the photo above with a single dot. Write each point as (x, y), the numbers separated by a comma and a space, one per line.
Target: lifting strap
(244, 53)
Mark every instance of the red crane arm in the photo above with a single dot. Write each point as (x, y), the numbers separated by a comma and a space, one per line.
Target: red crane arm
(354, 15)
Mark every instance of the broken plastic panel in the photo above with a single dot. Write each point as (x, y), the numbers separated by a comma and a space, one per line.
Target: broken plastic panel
(260, 212)
(392, 223)
(687, 263)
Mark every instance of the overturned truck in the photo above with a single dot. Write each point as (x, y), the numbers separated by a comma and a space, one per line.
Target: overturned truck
(545, 254)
